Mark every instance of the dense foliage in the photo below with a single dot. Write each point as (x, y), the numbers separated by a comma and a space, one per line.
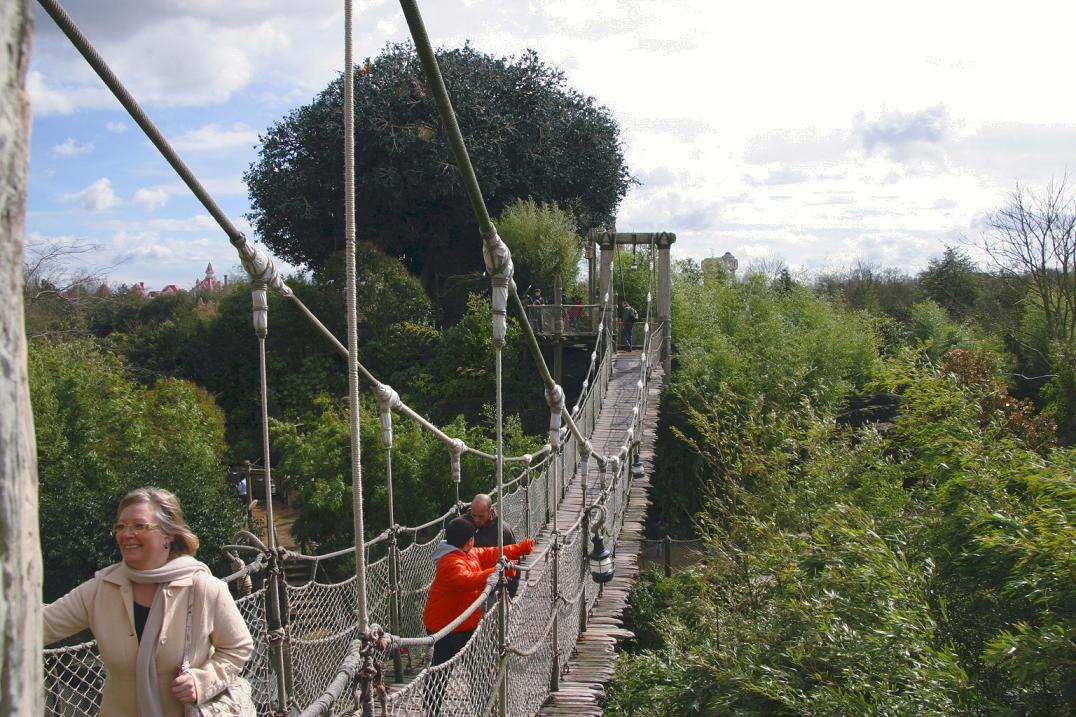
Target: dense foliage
(528, 133)
(316, 454)
(761, 351)
(101, 434)
(917, 563)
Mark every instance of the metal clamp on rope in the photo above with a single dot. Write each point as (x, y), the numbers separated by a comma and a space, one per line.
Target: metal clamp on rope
(455, 449)
(260, 299)
(585, 450)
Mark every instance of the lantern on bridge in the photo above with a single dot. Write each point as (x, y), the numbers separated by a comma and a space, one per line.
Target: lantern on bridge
(601, 561)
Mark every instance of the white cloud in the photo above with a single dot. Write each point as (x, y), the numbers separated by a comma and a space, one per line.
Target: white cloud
(215, 137)
(71, 148)
(47, 100)
(196, 223)
(152, 252)
(97, 197)
(843, 129)
(150, 198)
(116, 127)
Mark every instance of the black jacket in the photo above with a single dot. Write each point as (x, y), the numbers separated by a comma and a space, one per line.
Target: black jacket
(486, 537)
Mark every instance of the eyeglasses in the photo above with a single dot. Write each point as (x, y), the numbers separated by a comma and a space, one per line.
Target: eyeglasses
(136, 528)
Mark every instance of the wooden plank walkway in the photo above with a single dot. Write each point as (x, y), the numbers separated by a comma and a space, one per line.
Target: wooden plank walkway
(582, 687)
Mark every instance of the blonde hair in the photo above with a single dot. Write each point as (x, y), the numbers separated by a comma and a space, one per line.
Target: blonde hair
(169, 516)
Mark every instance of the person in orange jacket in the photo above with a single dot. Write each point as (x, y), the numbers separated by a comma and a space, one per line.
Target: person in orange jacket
(462, 572)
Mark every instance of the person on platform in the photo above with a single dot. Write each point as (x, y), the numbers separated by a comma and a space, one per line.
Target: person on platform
(538, 315)
(630, 316)
(137, 611)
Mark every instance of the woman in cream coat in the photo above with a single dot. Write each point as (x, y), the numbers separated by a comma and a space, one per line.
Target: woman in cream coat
(137, 610)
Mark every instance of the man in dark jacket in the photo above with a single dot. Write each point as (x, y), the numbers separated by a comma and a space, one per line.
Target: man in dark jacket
(487, 523)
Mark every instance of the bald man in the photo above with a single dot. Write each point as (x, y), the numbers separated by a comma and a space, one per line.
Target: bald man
(487, 523)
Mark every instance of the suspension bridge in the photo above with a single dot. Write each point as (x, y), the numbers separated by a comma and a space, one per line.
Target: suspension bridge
(332, 645)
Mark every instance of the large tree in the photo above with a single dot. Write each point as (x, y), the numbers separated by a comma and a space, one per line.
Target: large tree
(528, 132)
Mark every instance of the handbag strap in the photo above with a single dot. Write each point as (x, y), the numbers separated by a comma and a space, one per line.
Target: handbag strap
(189, 710)
(187, 636)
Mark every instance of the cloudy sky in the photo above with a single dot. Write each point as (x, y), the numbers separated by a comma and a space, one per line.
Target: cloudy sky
(823, 134)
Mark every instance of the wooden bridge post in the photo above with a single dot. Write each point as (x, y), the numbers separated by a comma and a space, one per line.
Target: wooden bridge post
(664, 241)
(608, 250)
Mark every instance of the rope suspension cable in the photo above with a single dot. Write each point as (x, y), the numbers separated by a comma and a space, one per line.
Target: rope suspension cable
(497, 256)
(352, 321)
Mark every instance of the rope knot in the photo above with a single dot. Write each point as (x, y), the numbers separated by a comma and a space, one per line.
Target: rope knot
(259, 265)
(386, 396)
(278, 635)
(498, 260)
(387, 399)
(497, 256)
(455, 449)
(555, 398)
(585, 450)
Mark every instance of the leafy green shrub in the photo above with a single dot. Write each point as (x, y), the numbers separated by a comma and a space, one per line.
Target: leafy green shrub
(544, 243)
(918, 568)
(99, 435)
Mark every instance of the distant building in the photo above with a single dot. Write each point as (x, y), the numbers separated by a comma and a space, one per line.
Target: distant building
(726, 259)
(210, 282)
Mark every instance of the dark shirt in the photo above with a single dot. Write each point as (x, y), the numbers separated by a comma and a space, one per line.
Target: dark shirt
(141, 614)
(486, 537)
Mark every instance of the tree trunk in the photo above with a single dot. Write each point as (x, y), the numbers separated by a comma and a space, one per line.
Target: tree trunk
(20, 551)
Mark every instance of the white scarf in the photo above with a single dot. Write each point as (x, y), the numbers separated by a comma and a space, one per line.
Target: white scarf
(149, 698)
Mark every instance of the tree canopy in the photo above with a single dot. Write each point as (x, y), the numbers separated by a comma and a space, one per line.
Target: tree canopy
(952, 281)
(529, 135)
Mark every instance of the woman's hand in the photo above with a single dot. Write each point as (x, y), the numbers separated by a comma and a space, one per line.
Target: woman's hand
(184, 688)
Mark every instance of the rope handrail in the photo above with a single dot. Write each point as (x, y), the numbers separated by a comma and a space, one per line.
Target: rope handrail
(341, 680)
